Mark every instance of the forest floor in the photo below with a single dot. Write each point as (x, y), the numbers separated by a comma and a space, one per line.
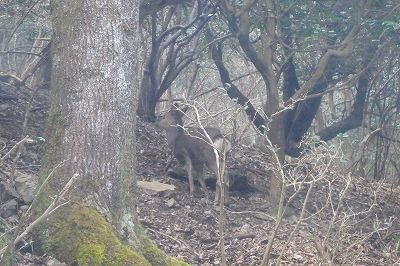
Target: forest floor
(342, 223)
(364, 231)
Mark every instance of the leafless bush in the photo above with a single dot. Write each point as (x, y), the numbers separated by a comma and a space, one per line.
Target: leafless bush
(341, 224)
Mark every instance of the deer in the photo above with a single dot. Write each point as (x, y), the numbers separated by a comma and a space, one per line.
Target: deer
(192, 148)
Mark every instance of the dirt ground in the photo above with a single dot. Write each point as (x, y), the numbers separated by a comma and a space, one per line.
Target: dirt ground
(190, 230)
(357, 226)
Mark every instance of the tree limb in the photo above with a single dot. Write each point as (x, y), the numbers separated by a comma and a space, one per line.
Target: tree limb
(149, 7)
(232, 91)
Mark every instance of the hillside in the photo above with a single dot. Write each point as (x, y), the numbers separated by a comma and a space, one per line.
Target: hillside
(363, 231)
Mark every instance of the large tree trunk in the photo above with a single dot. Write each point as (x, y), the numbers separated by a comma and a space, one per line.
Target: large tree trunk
(91, 132)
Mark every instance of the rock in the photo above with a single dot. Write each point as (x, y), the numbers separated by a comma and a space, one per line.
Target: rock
(24, 208)
(196, 258)
(154, 188)
(262, 216)
(7, 192)
(170, 203)
(26, 186)
(9, 208)
(50, 261)
(297, 257)
(13, 219)
(245, 229)
(4, 106)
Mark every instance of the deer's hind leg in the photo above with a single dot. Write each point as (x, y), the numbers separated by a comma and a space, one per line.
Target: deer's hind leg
(200, 172)
(225, 182)
(189, 168)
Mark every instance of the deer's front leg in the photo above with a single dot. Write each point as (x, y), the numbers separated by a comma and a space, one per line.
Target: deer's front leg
(189, 168)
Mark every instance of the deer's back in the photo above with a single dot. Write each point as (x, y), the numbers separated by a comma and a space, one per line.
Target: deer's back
(196, 145)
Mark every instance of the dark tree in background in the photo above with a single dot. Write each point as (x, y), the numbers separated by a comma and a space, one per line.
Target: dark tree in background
(174, 37)
(304, 50)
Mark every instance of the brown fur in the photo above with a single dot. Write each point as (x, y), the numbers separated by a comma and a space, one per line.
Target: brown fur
(193, 149)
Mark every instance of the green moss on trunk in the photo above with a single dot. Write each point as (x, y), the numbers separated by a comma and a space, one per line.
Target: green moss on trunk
(81, 236)
(156, 257)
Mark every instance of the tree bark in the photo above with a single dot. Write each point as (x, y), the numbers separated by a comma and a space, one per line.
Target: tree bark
(173, 48)
(151, 7)
(91, 132)
(355, 118)
(93, 77)
(232, 91)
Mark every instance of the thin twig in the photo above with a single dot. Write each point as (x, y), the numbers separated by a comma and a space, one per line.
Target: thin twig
(13, 148)
(55, 204)
(24, 130)
(170, 237)
(221, 183)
